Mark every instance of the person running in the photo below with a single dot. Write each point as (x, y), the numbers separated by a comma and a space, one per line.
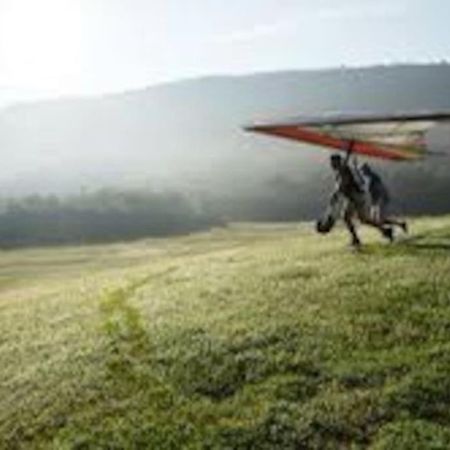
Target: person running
(356, 204)
(380, 198)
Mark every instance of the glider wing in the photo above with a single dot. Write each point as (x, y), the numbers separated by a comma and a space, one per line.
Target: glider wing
(396, 137)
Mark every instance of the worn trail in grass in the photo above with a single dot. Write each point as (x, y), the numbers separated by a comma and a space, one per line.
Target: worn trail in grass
(246, 337)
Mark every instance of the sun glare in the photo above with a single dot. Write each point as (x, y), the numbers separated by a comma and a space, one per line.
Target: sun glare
(40, 43)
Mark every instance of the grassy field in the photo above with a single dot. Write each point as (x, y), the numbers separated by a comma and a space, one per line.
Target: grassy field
(250, 337)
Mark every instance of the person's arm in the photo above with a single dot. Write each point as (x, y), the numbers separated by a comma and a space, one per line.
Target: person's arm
(360, 179)
(337, 186)
(349, 152)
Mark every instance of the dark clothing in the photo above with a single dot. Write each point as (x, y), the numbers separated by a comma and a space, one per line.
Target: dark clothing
(347, 183)
(377, 189)
(353, 193)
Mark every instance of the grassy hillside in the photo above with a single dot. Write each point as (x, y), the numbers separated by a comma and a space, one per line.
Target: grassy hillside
(241, 338)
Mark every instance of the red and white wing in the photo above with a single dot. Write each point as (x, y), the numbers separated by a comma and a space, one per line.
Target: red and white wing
(394, 137)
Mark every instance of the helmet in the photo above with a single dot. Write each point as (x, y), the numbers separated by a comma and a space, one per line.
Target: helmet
(335, 157)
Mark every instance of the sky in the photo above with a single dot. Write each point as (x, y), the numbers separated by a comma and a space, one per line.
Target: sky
(52, 48)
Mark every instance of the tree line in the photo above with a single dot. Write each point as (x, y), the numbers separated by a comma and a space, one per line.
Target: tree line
(109, 215)
(101, 216)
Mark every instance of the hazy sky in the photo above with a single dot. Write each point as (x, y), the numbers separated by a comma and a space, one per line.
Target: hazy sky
(66, 47)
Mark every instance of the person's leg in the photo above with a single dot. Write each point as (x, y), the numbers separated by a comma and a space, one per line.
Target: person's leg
(348, 220)
(375, 213)
(385, 219)
(398, 223)
(386, 231)
(363, 212)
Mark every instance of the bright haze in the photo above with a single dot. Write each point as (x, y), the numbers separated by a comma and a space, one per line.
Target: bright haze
(153, 95)
(52, 48)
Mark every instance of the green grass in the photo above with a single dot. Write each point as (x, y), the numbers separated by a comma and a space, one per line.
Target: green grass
(251, 337)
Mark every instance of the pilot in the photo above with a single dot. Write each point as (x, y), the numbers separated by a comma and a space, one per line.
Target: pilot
(355, 200)
(380, 198)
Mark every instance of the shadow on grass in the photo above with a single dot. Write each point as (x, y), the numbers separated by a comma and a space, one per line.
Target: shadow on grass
(438, 239)
(435, 241)
(428, 245)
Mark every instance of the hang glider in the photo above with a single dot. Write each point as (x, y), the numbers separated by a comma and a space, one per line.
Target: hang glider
(399, 137)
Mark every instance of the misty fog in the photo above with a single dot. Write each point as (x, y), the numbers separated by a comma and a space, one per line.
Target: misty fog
(188, 138)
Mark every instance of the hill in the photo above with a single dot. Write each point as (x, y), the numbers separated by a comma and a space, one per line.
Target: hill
(187, 136)
(246, 337)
